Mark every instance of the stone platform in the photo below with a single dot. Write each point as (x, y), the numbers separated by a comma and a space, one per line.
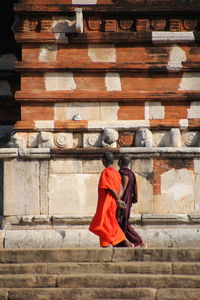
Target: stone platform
(139, 274)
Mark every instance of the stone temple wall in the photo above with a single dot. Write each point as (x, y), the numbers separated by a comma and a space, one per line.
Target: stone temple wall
(98, 75)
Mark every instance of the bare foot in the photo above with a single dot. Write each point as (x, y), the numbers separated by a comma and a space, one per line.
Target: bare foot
(129, 244)
(144, 245)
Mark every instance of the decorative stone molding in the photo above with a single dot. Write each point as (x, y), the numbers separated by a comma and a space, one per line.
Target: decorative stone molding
(46, 25)
(45, 140)
(63, 140)
(175, 137)
(158, 24)
(109, 137)
(190, 24)
(22, 25)
(94, 23)
(32, 140)
(143, 138)
(191, 139)
(18, 140)
(126, 139)
(125, 24)
(92, 140)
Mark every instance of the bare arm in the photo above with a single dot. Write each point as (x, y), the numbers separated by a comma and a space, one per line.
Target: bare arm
(125, 180)
(116, 196)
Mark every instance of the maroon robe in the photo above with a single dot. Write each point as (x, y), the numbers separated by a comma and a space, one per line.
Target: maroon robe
(129, 197)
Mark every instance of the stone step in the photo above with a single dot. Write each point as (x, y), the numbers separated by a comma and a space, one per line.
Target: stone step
(99, 255)
(100, 281)
(100, 293)
(187, 268)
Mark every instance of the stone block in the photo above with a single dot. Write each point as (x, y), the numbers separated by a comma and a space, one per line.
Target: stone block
(92, 140)
(142, 166)
(177, 191)
(186, 268)
(154, 110)
(32, 268)
(189, 82)
(48, 52)
(67, 111)
(3, 294)
(62, 81)
(44, 172)
(178, 294)
(44, 125)
(145, 196)
(143, 138)
(84, 2)
(109, 111)
(75, 199)
(197, 166)
(5, 88)
(183, 123)
(65, 166)
(21, 187)
(102, 52)
(32, 140)
(197, 194)
(190, 139)
(79, 20)
(176, 57)
(112, 81)
(92, 166)
(118, 124)
(45, 140)
(172, 37)
(2, 234)
(194, 110)
(161, 139)
(27, 280)
(64, 24)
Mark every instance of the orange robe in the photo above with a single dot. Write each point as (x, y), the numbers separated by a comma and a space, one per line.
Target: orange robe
(104, 224)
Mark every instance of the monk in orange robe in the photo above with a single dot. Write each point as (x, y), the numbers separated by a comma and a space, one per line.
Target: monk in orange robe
(104, 223)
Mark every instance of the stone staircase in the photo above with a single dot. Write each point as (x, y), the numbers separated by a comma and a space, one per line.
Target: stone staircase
(60, 274)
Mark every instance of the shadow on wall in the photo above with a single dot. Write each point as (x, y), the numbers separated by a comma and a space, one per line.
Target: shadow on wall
(1, 187)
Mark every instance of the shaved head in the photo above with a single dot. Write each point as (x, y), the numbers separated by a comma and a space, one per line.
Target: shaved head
(124, 160)
(108, 158)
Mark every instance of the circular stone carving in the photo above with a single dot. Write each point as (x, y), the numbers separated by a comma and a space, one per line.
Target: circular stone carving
(126, 140)
(158, 24)
(93, 140)
(94, 23)
(61, 140)
(125, 24)
(190, 24)
(190, 139)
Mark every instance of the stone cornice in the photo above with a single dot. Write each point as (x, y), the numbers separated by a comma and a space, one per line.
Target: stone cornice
(88, 153)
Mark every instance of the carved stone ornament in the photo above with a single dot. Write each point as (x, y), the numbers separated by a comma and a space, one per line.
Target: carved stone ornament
(143, 138)
(45, 140)
(46, 25)
(190, 24)
(191, 139)
(94, 23)
(175, 135)
(32, 140)
(33, 25)
(61, 140)
(158, 24)
(94, 140)
(18, 140)
(125, 24)
(109, 137)
(22, 25)
(126, 139)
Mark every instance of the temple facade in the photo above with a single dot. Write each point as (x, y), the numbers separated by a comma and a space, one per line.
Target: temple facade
(79, 77)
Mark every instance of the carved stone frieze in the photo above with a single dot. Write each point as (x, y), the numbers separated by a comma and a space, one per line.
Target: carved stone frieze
(191, 139)
(46, 25)
(22, 26)
(110, 25)
(94, 23)
(175, 25)
(143, 138)
(45, 140)
(190, 24)
(126, 139)
(92, 140)
(126, 24)
(109, 137)
(63, 140)
(158, 24)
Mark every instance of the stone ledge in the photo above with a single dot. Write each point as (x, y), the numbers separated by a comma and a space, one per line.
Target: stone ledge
(139, 152)
(57, 220)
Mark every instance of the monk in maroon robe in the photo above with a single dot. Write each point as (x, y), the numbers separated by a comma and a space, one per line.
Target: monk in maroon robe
(129, 195)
